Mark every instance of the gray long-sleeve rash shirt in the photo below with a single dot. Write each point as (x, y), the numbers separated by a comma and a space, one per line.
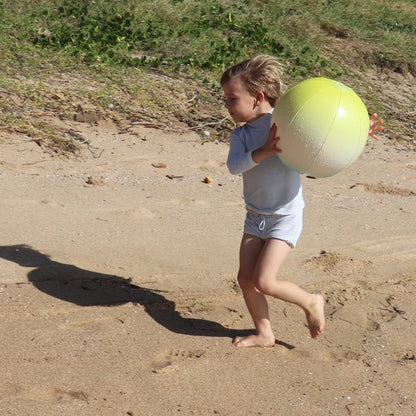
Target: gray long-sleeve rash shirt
(270, 187)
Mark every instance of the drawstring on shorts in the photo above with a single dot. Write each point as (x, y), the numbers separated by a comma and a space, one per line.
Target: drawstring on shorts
(262, 223)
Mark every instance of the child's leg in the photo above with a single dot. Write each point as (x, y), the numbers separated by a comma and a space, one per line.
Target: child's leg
(269, 261)
(256, 302)
(259, 264)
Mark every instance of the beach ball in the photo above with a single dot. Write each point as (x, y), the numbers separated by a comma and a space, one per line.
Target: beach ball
(323, 127)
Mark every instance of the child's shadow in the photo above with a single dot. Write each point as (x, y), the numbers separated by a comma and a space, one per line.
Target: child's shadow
(87, 288)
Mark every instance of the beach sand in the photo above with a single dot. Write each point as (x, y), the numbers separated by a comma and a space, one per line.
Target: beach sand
(118, 293)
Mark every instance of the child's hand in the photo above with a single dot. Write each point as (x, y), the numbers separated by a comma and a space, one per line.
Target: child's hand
(273, 139)
(375, 125)
(269, 148)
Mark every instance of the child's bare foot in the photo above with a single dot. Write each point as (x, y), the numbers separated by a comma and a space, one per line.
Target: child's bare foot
(316, 316)
(254, 341)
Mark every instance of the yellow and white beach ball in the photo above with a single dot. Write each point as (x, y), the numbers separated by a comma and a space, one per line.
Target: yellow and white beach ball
(323, 127)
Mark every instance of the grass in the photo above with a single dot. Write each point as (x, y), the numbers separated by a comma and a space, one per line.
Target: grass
(160, 60)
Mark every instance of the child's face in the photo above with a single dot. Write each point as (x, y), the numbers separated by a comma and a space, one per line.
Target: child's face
(239, 103)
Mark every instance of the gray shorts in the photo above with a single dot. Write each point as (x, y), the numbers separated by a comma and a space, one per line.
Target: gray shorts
(280, 227)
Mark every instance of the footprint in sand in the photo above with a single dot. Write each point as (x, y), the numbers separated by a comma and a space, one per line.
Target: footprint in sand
(55, 395)
(381, 315)
(168, 360)
(364, 318)
(332, 262)
(365, 305)
(43, 394)
(382, 188)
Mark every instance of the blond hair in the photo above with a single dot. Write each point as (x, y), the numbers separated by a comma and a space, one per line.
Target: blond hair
(259, 74)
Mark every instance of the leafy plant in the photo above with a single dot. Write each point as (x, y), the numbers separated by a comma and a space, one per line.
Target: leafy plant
(197, 40)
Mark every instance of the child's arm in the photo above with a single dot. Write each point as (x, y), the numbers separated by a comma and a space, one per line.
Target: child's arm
(375, 125)
(239, 159)
(269, 148)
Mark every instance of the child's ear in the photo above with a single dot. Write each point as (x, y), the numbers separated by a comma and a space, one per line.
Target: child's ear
(259, 98)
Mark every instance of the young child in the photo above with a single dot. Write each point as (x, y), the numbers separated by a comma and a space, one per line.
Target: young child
(273, 198)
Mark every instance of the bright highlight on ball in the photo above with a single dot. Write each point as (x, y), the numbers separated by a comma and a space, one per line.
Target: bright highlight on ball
(323, 127)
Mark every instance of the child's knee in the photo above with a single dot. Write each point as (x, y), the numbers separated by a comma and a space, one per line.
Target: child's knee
(264, 286)
(244, 280)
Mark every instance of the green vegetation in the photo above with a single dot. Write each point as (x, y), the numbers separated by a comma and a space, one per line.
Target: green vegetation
(152, 56)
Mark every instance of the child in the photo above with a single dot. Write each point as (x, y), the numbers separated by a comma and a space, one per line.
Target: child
(273, 198)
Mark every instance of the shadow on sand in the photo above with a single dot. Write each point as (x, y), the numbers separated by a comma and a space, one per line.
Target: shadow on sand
(88, 288)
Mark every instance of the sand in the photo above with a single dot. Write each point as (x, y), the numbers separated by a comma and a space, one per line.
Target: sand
(118, 291)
